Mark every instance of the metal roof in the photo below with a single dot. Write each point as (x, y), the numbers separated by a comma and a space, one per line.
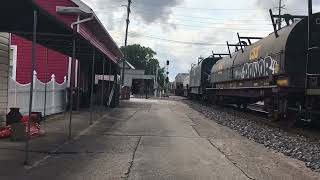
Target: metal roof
(52, 32)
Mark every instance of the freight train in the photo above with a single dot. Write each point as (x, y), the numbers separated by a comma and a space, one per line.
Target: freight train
(178, 84)
(280, 70)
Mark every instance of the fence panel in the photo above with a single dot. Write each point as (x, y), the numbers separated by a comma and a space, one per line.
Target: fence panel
(18, 95)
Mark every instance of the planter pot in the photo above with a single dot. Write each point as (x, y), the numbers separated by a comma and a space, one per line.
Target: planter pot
(18, 132)
(14, 116)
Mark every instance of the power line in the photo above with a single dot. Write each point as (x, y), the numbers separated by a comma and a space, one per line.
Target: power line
(154, 5)
(150, 7)
(177, 41)
(211, 27)
(100, 11)
(210, 22)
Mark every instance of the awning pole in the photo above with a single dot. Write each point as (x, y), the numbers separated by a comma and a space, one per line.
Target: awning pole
(103, 72)
(71, 85)
(78, 87)
(92, 83)
(26, 160)
(109, 82)
(45, 85)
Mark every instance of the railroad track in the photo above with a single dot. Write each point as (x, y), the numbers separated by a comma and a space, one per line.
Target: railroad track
(305, 129)
(260, 116)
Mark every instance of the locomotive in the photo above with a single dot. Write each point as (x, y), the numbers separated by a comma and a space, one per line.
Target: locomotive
(282, 70)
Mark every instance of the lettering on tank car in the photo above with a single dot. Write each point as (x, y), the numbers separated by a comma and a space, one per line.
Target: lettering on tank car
(263, 67)
(254, 53)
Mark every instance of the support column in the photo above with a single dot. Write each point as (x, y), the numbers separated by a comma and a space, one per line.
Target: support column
(78, 84)
(92, 84)
(109, 82)
(103, 72)
(34, 40)
(45, 85)
(71, 85)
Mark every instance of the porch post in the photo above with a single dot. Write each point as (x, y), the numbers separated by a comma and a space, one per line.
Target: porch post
(71, 85)
(78, 87)
(45, 85)
(26, 160)
(92, 84)
(109, 82)
(103, 69)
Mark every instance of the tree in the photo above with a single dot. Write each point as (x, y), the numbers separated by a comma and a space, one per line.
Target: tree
(138, 55)
(152, 66)
(143, 58)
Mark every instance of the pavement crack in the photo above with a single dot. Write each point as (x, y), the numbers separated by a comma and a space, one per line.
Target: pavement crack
(193, 127)
(127, 174)
(227, 157)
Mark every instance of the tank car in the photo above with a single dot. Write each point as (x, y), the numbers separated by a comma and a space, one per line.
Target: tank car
(200, 76)
(186, 82)
(275, 70)
(179, 83)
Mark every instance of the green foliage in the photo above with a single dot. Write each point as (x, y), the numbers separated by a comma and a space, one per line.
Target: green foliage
(161, 77)
(143, 58)
(138, 55)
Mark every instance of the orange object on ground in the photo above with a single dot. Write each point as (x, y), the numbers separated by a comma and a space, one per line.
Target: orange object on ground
(5, 132)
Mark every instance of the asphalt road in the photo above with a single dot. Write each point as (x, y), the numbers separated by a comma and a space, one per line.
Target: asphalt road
(160, 139)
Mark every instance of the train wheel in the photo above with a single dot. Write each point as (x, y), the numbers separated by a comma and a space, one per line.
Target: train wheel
(244, 106)
(293, 118)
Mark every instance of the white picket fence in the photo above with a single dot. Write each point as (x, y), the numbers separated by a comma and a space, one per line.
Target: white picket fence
(19, 95)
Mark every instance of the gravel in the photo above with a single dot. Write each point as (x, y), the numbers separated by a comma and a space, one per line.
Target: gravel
(280, 140)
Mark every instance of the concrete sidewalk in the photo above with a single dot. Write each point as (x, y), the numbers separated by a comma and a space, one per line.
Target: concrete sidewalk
(149, 139)
(56, 128)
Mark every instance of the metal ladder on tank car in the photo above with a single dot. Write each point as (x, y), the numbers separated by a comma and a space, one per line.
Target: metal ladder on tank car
(312, 80)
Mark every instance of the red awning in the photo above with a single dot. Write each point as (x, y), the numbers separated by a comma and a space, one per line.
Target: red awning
(54, 32)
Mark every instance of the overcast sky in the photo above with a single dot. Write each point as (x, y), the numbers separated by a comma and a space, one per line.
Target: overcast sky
(183, 30)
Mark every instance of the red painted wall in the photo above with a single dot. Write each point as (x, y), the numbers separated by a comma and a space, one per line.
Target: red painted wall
(50, 6)
(57, 62)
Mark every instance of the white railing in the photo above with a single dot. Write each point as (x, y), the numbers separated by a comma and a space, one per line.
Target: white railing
(18, 96)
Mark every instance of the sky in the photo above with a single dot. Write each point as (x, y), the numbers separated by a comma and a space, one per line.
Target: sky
(183, 30)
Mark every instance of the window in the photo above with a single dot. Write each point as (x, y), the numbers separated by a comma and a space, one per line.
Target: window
(13, 62)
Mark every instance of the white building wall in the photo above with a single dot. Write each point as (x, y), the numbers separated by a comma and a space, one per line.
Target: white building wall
(4, 75)
(131, 74)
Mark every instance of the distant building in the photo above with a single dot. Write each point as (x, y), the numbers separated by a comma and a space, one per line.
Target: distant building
(137, 80)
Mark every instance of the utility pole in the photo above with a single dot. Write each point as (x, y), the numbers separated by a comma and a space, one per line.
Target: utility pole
(279, 19)
(126, 38)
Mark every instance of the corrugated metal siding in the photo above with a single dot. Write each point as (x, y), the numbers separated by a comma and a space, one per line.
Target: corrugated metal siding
(89, 35)
(4, 73)
(57, 62)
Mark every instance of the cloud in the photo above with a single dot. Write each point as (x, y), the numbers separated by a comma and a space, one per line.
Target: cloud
(154, 11)
(148, 11)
